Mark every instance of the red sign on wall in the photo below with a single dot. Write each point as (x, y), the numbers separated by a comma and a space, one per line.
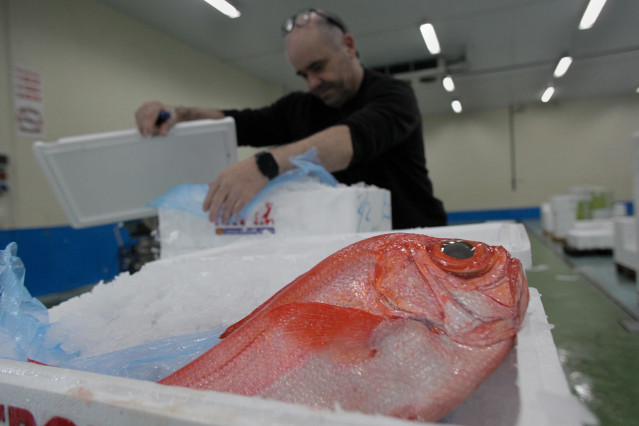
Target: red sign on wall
(27, 100)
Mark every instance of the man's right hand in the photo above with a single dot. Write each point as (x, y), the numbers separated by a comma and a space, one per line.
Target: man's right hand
(147, 115)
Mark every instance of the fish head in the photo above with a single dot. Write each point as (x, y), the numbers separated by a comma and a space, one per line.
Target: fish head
(473, 292)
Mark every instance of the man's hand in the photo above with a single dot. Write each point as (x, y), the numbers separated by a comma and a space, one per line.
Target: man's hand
(146, 117)
(232, 190)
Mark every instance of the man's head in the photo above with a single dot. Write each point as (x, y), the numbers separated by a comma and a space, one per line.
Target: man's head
(323, 53)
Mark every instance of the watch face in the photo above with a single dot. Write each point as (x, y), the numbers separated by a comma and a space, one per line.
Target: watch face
(267, 164)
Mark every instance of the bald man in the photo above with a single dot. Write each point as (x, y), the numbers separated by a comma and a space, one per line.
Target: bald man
(365, 126)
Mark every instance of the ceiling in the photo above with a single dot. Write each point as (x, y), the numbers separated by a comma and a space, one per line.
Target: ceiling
(499, 52)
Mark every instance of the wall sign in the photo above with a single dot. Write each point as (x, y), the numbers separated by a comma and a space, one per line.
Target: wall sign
(27, 102)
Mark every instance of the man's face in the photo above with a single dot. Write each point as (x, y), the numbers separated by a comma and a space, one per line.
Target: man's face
(327, 67)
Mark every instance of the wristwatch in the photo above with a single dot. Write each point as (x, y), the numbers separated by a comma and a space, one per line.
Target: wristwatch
(267, 164)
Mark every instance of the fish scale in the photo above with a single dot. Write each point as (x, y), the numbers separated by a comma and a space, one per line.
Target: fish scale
(394, 325)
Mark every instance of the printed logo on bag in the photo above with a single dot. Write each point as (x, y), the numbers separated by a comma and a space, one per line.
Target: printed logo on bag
(23, 417)
(262, 223)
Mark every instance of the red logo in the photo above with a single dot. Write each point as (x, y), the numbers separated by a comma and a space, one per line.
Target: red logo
(23, 417)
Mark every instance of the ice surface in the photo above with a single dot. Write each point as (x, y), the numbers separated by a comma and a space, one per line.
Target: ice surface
(182, 295)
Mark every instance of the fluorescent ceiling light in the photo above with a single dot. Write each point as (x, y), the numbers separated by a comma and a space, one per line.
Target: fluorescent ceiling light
(430, 38)
(224, 7)
(562, 66)
(547, 94)
(448, 83)
(456, 105)
(591, 14)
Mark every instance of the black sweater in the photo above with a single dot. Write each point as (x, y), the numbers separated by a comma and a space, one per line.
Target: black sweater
(388, 149)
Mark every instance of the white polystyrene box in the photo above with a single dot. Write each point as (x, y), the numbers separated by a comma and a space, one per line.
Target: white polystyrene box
(111, 177)
(625, 244)
(529, 388)
(295, 208)
(591, 234)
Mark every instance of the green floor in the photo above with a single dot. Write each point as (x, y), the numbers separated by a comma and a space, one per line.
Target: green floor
(600, 358)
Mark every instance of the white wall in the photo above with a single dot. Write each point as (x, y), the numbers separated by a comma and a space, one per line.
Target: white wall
(97, 67)
(6, 133)
(557, 145)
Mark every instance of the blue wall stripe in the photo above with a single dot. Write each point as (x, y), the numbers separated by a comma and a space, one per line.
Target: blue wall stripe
(523, 213)
(62, 258)
(500, 214)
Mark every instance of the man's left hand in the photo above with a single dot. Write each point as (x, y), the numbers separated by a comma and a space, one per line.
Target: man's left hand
(232, 190)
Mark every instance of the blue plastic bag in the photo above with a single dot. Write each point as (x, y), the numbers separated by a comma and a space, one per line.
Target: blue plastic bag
(189, 198)
(151, 361)
(24, 320)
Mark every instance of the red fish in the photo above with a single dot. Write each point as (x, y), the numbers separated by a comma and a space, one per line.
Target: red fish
(403, 325)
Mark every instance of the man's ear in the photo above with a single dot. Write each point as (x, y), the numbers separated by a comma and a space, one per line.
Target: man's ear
(349, 42)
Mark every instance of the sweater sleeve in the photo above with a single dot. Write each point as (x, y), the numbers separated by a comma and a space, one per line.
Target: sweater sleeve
(266, 126)
(388, 116)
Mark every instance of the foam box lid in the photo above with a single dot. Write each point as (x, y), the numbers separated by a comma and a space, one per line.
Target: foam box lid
(111, 177)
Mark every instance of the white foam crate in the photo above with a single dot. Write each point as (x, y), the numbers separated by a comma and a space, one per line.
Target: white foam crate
(591, 234)
(297, 208)
(45, 393)
(529, 388)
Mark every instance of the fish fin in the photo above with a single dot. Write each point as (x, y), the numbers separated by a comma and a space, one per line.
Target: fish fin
(280, 339)
(344, 332)
(231, 329)
(230, 366)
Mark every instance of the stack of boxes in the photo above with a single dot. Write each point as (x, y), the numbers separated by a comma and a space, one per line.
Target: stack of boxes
(587, 219)
(582, 218)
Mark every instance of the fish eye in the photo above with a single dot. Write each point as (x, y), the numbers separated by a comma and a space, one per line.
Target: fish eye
(458, 249)
(462, 257)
